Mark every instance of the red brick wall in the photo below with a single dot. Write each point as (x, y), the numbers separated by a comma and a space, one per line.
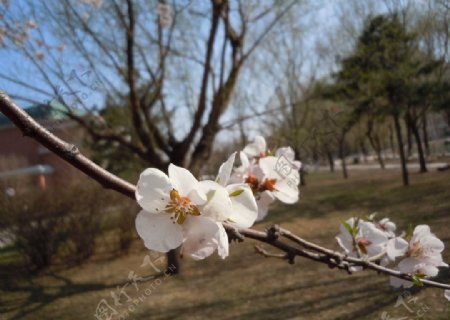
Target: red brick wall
(29, 153)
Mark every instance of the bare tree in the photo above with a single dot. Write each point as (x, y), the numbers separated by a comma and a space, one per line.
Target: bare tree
(148, 54)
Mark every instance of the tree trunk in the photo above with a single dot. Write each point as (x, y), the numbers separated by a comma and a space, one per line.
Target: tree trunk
(376, 145)
(415, 131)
(302, 168)
(342, 157)
(173, 261)
(374, 141)
(363, 150)
(330, 160)
(391, 140)
(401, 150)
(408, 137)
(425, 134)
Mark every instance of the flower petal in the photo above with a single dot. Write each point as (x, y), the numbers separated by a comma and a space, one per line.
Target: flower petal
(202, 237)
(241, 172)
(287, 190)
(225, 170)
(153, 189)
(287, 181)
(396, 247)
(244, 160)
(218, 206)
(372, 233)
(409, 265)
(245, 209)
(345, 243)
(185, 183)
(289, 153)
(447, 294)
(222, 249)
(266, 198)
(428, 270)
(257, 147)
(420, 231)
(397, 282)
(158, 231)
(432, 244)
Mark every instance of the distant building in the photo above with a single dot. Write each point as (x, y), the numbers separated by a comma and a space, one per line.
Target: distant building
(25, 162)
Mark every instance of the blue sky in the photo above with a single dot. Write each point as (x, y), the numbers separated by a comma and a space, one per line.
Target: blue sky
(321, 20)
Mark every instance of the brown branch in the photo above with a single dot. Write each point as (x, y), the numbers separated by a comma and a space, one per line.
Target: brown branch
(272, 236)
(66, 151)
(110, 135)
(267, 254)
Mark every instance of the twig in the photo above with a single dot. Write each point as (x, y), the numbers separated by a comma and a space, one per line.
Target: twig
(308, 250)
(268, 254)
(66, 151)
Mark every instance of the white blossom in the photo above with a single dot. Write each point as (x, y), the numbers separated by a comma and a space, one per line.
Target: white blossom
(423, 256)
(179, 210)
(368, 240)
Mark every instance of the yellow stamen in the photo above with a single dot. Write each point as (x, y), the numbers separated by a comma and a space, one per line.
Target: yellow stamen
(180, 207)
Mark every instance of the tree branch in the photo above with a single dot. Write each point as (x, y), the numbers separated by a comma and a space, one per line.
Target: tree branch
(66, 151)
(296, 247)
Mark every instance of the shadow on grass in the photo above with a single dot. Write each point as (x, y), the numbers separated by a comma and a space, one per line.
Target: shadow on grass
(39, 296)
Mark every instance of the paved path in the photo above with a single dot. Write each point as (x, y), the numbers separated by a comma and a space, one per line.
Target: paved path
(376, 166)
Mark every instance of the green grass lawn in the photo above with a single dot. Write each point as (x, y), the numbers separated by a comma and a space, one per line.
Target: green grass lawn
(247, 285)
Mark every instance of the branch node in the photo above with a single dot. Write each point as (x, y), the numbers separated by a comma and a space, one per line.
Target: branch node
(71, 151)
(273, 232)
(291, 257)
(235, 235)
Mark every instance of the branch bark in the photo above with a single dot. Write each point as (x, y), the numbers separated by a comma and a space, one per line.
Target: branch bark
(296, 246)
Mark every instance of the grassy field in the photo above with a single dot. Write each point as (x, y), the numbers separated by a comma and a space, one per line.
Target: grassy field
(247, 285)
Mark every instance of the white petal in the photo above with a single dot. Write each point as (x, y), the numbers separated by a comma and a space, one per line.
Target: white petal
(222, 249)
(244, 160)
(245, 209)
(447, 294)
(153, 190)
(397, 282)
(266, 198)
(409, 265)
(263, 210)
(374, 250)
(278, 168)
(432, 244)
(257, 147)
(197, 196)
(219, 206)
(288, 152)
(287, 190)
(201, 236)
(429, 270)
(372, 233)
(225, 170)
(182, 179)
(158, 231)
(256, 170)
(297, 164)
(396, 247)
(268, 166)
(344, 243)
(287, 179)
(420, 231)
(240, 173)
